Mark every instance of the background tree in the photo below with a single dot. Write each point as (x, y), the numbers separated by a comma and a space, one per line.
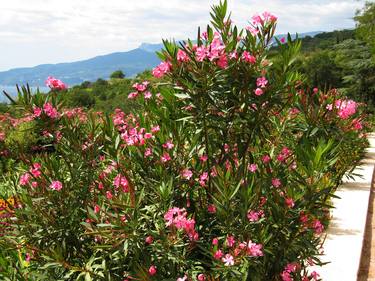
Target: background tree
(118, 74)
(365, 19)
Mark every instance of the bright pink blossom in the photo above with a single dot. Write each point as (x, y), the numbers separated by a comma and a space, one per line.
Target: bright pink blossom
(248, 58)
(121, 181)
(258, 91)
(55, 84)
(182, 56)
(152, 270)
(56, 185)
(162, 69)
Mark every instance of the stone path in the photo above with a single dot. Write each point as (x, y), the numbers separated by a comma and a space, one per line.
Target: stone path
(343, 245)
(367, 266)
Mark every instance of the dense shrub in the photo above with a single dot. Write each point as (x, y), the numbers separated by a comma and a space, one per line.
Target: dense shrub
(225, 173)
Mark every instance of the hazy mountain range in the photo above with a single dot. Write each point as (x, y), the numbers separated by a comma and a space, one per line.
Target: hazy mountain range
(72, 73)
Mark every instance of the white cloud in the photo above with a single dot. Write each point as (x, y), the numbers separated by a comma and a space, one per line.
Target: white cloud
(50, 31)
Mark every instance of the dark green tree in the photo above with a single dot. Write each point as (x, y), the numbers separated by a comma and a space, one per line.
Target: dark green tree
(118, 74)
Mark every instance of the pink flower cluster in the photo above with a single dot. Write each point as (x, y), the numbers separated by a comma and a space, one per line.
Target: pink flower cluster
(345, 108)
(34, 172)
(129, 129)
(178, 218)
(162, 69)
(140, 88)
(236, 249)
(55, 84)
(48, 109)
(121, 181)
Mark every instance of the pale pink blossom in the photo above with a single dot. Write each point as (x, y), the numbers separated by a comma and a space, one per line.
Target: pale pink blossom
(262, 82)
(252, 168)
(228, 260)
(187, 174)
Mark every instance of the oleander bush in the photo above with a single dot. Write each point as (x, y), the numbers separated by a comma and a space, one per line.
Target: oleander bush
(225, 170)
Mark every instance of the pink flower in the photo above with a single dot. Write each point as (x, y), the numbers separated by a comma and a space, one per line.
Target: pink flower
(165, 157)
(218, 254)
(155, 129)
(315, 275)
(203, 178)
(230, 241)
(148, 152)
(252, 168)
(222, 61)
(254, 250)
(96, 209)
(258, 91)
(215, 241)
(357, 124)
(262, 82)
(162, 69)
(147, 95)
(50, 111)
(318, 227)
(56, 185)
(141, 87)
(248, 58)
(182, 56)
(182, 278)
(203, 157)
(257, 19)
(24, 179)
(109, 195)
(201, 277)
(152, 270)
(254, 216)
(121, 181)
(55, 84)
(233, 55)
(276, 182)
(149, 239)
(253, 30)
(266, 159)
(282, 40)
(132, 95)
(37, 111)
(201, 53)
(187, 174)
(211, 208)
(289, 202)
(228, 260)
(168, 145)
(268, 17)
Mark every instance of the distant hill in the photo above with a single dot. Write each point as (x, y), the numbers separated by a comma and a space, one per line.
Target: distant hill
(73, 73)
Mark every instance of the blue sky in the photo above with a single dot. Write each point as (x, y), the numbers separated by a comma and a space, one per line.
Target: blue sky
(33, 32)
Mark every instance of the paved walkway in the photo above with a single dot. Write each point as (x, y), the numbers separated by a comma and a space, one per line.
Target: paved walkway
(343, 245)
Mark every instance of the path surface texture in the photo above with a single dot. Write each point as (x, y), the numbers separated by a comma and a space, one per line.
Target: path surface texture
(345, 236)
